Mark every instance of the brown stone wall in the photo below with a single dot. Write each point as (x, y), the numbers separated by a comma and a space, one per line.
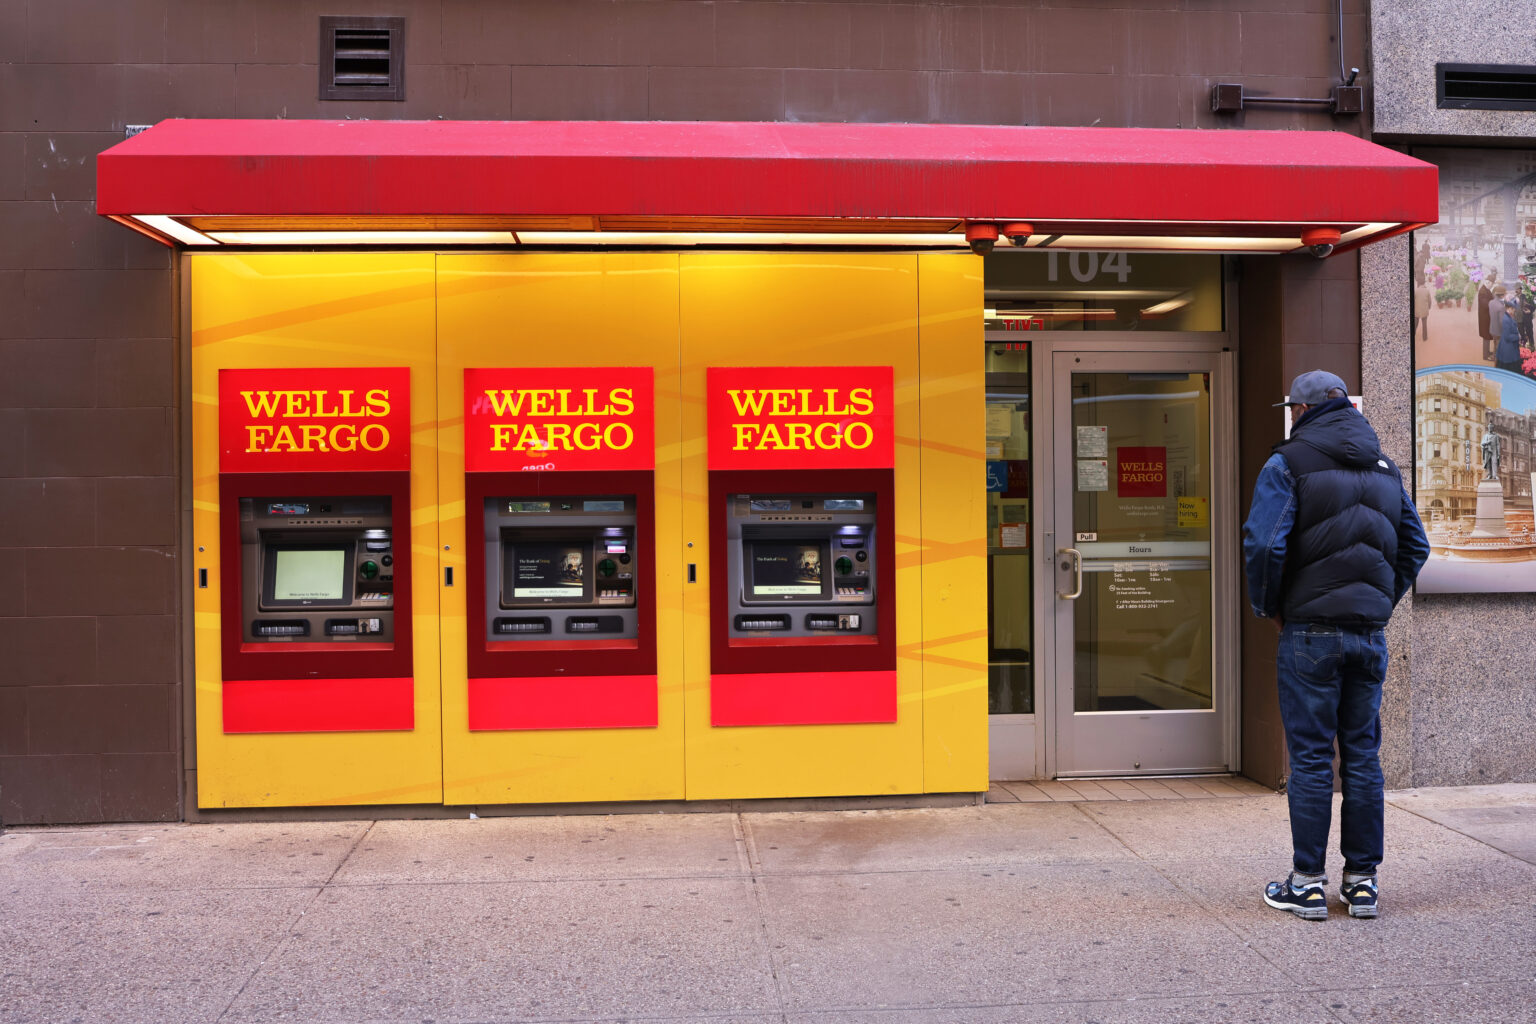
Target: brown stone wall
(1295, 314)
(91, 697)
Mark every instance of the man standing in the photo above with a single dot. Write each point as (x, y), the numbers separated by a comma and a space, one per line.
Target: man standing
(1485, 328)
(1331, 544)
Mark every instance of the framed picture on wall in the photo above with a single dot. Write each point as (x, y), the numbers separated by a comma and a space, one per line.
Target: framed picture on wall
(1475, 373)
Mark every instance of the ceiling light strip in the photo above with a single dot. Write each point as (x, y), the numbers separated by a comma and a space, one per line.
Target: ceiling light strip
(170, 227)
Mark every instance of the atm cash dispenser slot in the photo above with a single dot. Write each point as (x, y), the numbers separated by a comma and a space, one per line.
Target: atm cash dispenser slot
(561, 568)
(317, 569)
(809, 557)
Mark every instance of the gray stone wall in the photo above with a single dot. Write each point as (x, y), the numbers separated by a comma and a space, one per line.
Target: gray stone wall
(1461, 686)
(1408, 37)
(1386, 378)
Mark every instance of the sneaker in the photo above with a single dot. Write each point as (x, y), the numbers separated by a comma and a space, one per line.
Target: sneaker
(1308, 902)
(1360, 897)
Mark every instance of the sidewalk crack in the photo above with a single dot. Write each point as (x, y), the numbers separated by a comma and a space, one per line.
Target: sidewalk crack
(288, 932)
(746, 852)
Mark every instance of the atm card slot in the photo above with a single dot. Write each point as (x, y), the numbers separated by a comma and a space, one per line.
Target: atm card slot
(756, 623)
(595, 624)
(522, 626)
(353, 627)
(832, 622)
(279, 627)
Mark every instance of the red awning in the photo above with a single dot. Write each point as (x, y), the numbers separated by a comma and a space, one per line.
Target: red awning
(687, 176)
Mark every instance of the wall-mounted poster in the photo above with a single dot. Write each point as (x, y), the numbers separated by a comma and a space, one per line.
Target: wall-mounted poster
(1475, 382)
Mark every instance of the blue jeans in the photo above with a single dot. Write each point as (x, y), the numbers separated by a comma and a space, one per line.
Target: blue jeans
(1330, 688)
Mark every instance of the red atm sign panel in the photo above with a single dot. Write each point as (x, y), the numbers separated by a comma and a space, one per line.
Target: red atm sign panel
(315, 420)
(537, 419)
(801, 417)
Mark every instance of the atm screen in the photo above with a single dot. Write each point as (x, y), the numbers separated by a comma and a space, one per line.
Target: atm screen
(306, 575)
(783, 568)
(550, 570)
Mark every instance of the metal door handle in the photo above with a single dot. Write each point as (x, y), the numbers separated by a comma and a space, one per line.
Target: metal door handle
(1076, 564)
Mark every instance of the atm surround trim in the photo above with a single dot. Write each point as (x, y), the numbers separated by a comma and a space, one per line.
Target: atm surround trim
(557, 659)
(319, 705)
(831, 654)
(803, 698)
(347, 660)
(544, 702)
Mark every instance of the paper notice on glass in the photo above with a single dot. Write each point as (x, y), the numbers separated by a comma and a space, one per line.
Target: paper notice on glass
(1093, 474)
(1193, 512)
(999, 419)
(994, 449)
(1013, 535)
(1092, 442)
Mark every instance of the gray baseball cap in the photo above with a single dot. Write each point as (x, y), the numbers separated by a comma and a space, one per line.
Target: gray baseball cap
(1312, 387)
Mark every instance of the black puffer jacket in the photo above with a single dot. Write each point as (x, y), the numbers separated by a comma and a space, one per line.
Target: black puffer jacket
(1340, 558)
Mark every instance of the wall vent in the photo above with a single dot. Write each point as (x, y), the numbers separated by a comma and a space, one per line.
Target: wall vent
(362, 58)
(1486, 86)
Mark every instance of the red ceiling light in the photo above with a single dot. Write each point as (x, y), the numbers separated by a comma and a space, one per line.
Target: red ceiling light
(982, 236)
(1018, 231)
(1320, 240)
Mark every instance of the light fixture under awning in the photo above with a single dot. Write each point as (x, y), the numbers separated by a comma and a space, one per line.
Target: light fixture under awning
(358, 184)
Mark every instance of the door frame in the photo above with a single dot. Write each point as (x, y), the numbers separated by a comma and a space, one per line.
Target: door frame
(1225, 580)
(1032, 738)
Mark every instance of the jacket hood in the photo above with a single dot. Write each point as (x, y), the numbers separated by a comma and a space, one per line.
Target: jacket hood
(1337, 429)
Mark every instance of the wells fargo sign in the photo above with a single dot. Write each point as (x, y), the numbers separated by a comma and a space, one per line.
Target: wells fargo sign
(1143, 472)
(802, 417)
(559, 418)
(335, 419)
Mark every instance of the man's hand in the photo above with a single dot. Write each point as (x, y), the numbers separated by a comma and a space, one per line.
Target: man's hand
(1279, 624)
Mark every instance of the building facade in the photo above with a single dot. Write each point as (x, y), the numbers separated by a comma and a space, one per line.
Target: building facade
(1447, 90)
(117, 703)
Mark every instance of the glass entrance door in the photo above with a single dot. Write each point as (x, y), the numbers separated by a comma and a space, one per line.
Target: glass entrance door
(1143, 562)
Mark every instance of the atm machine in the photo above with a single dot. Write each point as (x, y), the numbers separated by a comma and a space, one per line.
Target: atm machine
(802, 565)
(803, 615)
(561, 568)
(316, 632)
(561, 600)
(317, 569)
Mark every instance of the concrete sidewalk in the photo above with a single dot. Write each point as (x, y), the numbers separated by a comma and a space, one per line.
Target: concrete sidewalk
(1112, 911)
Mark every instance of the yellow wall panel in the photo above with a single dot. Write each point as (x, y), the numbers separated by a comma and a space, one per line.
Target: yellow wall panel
(954, 523)
(679, 315)
(320, 310)
(562, 309)
(801, 309)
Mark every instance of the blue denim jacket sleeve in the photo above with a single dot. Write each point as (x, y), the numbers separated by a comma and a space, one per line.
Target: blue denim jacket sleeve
(1270, 519)
(1412, 549)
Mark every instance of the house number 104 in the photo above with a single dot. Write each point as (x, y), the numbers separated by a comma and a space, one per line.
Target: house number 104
(1085, 266)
